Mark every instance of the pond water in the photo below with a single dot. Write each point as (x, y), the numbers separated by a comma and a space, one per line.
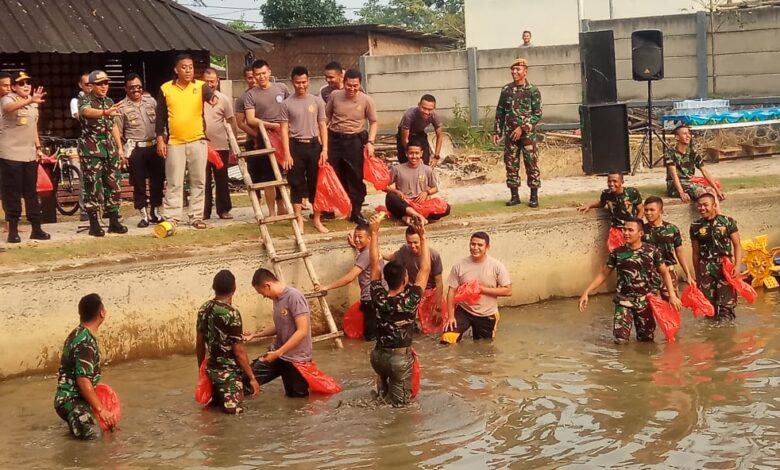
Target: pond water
(551, 391)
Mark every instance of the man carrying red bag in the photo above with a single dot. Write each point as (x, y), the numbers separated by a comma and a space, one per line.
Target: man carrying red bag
(411, 186)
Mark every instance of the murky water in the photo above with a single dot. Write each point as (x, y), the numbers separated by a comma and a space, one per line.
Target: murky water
(552, 391)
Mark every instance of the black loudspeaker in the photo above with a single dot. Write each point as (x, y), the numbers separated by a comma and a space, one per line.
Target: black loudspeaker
(597, 58)
(604, 138)
(647, 55)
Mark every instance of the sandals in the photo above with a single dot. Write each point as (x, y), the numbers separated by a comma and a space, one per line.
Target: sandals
(199, 224)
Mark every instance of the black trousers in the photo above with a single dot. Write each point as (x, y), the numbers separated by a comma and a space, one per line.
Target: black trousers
(419, 138)
(303, 175)
(369, 320)
(146, 164)
(345, 154)
(295, 385)
(220, 181)
(19, 180)
(259, 166)
(397, 207)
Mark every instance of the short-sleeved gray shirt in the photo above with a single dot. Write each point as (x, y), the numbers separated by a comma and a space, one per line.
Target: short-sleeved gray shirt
(363, 261)
(303, 113)
(18, 130)
(490, 272)
(413, 120)
(136, 119)
(412, 181)
(215, 118)
(290, 305)
(412, 264)
(267, 102)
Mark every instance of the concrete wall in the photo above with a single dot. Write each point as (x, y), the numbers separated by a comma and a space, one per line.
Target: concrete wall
(498, 24)
(151, 307)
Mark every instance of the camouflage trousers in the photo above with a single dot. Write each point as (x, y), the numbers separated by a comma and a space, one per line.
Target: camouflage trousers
(662, 287)
(636, 311)
(395, 375)
(78, 414)
(512, 152)
(100, 167)
(713, 284)
(227, 390)
(692, 189)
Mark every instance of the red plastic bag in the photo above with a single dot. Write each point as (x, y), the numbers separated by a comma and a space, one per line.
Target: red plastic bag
(318, 381)
(415, 374)
(468, 292)
(666, 316)
(743, 288)
(379, 209)
(694, 299)
(214, 158)
(430, 321)
(430, 206)
(375, 171)
(331, 196)
(203, 388)
(352, 321)
(275, 139)
(110, 401)
(700, 180)
(615, 238)
(43, 184)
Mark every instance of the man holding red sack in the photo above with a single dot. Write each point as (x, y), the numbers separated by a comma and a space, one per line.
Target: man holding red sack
(220, 335)
(347, 111)
(75, 400)
(20, 151)
(411, 183)
(396, 308)
(622, 202)
(713, 236)
(482, 317)
(681, 163)
(667, 238)
(217, 117)
(637, 266)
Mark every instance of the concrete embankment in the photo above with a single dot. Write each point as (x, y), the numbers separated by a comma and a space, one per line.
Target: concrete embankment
(151, 306)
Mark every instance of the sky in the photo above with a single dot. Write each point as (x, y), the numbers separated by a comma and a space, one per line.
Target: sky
(226, 10)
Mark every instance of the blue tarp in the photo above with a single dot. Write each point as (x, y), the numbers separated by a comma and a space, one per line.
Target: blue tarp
(745, 115)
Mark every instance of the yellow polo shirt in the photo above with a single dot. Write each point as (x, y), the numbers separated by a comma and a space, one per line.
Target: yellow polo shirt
(184, 111)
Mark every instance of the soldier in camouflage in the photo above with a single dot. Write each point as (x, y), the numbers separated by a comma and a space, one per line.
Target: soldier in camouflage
(712, 237)
(518, 112)
(637, 264)
(666, 237)
(102, 156)
(219, 333)
(681, 163)
(75, 400)
(622, 202)
(396, 308)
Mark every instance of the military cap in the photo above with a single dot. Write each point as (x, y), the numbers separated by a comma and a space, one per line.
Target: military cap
(98, 76)
(519, 61)
(680, 126)
(19, 76)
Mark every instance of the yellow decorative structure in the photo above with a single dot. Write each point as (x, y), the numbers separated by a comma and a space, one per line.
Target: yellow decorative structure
(760, 262)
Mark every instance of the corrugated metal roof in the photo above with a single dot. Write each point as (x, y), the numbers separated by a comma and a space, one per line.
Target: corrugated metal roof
(428, 39)
(82, 26)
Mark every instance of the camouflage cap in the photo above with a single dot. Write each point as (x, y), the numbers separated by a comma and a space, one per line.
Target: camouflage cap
(98, 76)
(519, 61)
(20, 76)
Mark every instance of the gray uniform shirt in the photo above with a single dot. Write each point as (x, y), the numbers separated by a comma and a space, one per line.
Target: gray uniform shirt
(412, 181)
(304, 114)
(290, 305)
(348, 115)
(413, 121)
(412, 264)
(267, 102)
(18, 130)
(363, 261)
(136, 120)
(216, 118)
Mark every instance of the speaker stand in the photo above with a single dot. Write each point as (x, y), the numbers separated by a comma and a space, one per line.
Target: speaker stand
(644, 154)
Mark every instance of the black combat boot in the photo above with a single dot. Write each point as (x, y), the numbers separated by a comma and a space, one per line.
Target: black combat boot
(113, 224)
(13, 232)
(37, 232)
(94, 225)
(515, 199)
(534, 201)
(154, 215)
(357, 218)
(144, 222)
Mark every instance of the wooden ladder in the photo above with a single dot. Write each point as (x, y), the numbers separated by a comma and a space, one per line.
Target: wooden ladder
(302, 253)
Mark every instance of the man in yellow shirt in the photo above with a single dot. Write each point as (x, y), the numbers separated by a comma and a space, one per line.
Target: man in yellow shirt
(180, 116)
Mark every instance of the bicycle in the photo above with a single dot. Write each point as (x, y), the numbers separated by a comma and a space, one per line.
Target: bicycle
(66, 175)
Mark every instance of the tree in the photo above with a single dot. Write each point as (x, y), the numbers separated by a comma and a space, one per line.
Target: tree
(294, 13)
(240, 25)
(430, 16)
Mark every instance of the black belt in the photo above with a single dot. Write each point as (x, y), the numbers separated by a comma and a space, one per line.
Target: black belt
(341, 136)
(313, 140)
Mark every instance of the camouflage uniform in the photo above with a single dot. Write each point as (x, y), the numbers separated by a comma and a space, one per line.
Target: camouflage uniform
(621, 206)
(714, 238)
(99, 157)
(635, 279)
(686, 165)
(519, 105)
(80, 358)
(392, 358)
(666, 238)
(220, 324)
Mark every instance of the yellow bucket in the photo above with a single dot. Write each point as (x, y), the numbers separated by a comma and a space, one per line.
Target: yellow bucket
(164, 229)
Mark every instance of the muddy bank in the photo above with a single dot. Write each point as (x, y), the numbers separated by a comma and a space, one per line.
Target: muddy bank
(152, 306)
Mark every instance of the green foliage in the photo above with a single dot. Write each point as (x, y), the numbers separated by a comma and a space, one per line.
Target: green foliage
(295, 13)
(468, 136)
(430, 16)
(240, 25)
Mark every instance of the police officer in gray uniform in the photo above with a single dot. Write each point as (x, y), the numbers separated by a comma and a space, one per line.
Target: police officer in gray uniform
(20, 150)
(137, 113)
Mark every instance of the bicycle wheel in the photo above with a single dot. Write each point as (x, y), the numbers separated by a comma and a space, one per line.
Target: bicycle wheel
(67, 181)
